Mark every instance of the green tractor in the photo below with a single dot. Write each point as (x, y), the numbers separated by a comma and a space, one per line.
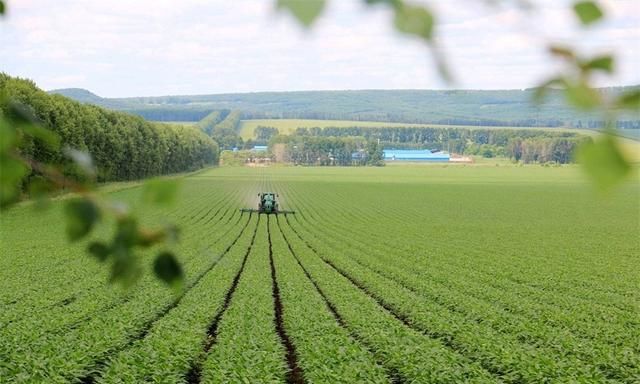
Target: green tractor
(267, 205)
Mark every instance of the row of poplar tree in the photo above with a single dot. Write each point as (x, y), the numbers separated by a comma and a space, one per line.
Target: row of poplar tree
(122, 146)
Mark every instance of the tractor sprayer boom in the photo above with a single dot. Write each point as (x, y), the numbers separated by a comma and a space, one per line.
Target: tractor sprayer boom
(267, 204)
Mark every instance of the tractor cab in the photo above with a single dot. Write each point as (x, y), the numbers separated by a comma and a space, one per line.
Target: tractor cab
(267, 203)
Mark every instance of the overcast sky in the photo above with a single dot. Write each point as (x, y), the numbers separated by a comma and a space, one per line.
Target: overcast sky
(157, 47)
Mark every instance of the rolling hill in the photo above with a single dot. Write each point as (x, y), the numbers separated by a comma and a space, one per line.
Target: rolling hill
(455, 107)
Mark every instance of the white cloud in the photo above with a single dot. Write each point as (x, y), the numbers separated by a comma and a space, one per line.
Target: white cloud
(152, 47)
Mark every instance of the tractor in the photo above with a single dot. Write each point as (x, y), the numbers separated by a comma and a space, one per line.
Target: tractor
(267, 204)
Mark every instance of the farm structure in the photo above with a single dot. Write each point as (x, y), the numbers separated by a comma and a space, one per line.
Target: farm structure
(415, 155)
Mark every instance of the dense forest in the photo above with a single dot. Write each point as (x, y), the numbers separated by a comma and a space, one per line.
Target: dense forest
(335, 146)
(450, 107)
(123, 146)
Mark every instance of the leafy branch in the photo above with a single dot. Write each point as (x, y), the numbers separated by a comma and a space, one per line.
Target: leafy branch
(603, 160)
(86, 208)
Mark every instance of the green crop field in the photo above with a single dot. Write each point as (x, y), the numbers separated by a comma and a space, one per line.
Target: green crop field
(404, 274)
(288, 126)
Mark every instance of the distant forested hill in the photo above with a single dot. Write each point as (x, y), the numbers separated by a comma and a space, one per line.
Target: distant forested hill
(455, 107)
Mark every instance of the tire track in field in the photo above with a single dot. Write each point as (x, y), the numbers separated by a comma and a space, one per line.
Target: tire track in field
(392, 374)
(445, 341)
(98, 367)
(194, 375)
(295, 374)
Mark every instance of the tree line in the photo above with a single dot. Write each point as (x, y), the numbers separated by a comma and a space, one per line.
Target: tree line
(208, 122)
(326, 151)
(223, 127)
(526, 145)
(122, 146)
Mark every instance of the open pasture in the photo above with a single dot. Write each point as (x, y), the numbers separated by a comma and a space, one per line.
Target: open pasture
(414, 274)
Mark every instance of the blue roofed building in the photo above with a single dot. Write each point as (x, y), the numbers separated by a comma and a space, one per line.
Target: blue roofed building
(259, 148)
(415, 155)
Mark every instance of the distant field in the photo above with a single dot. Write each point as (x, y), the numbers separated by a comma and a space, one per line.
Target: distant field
(630, 146)
(179, 122)
(289, 125)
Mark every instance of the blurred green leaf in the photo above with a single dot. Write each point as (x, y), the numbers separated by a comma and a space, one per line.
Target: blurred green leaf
(582, 96)
(149, 238)
(542, 90)
(22, 117)
(601, 63)
(21, 114)
(39, 189)
(8, 136)
(126, 233)
(2, 8)
(414, 20)
(45, 135)
(441, 64)
(604, 162)
(562, 51)
(588, 12)
(167, 268)
(82, 160)
(125, 269)
(390, 2)
(160, 191)
(82, 214)
(629, 100)
(306, 11)
(99, 250)
(119, 208)
(172, 233)
(11, 173)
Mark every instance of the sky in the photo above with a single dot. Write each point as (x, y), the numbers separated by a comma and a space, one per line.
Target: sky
(124, 48)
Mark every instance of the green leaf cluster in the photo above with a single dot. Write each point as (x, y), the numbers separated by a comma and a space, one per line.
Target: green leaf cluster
(588, 12)
(305, 11)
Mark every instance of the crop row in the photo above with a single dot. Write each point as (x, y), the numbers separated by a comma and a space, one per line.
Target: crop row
(327, 352)
(247, 348)
(176, 340)
(583, 320)
(451, 272)
(477, 327)
(403, 350)
(75, 339)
